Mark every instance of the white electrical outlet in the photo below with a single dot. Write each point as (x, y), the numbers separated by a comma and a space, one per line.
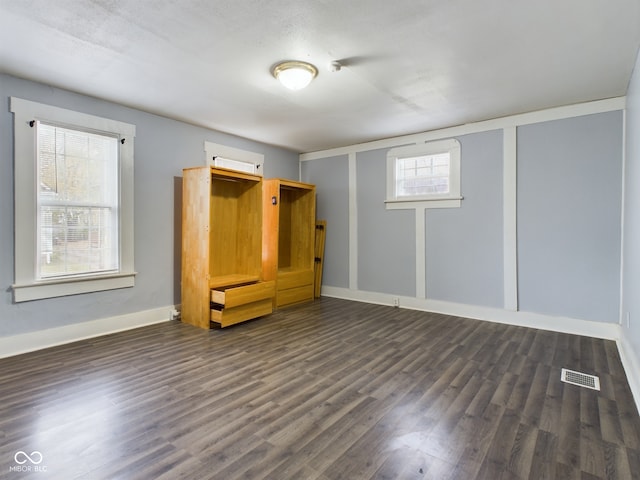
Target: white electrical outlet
(396, 302)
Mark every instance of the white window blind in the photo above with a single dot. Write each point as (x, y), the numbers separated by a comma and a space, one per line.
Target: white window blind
(218, 155)
(423, 175)
(77, 202)
(238, 165)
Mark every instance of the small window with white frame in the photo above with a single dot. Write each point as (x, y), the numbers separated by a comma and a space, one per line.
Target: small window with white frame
(427, 174)
(74, 199)
(234, 158)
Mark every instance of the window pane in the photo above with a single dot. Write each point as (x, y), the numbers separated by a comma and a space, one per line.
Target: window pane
(424, 175)
(76, 240)
(77, 202)
(238, 165)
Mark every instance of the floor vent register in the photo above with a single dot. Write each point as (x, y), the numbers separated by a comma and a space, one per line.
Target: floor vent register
(580, 379)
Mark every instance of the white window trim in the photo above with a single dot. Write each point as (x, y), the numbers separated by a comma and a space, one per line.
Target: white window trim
(215, 151)
(450, 200)
(26, 286)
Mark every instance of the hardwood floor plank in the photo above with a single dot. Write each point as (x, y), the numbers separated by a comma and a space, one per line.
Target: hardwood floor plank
(504, 389)
(616, 462)
(587, 357)
(522, 451)
(543, 347)
(497, 457)
(543, 464)
(550, 415)
(534, 403)
(592, 457)
(523, 385)
(610, 421)
(614, 363)
(480, 439)
(569, 434)
(633, 456)
(629, 419)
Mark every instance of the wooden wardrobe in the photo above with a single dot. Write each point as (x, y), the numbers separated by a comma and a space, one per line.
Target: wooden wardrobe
(222, 280)
(288, 250)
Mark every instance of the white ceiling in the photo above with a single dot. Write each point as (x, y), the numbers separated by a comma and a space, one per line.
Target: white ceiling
(410, 65)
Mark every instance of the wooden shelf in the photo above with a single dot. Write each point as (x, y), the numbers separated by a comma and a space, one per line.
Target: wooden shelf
(233, 280)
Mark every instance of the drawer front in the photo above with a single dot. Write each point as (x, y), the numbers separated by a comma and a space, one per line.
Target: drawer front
(294, 279)
(294, 295)
(232, 297)
(241, 313)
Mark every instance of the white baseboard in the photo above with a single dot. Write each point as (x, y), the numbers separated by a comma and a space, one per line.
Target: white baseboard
(631, 365)
(609, 331)
(29, 342)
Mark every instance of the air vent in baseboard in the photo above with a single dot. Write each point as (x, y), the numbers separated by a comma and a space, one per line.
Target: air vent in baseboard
(581, 379)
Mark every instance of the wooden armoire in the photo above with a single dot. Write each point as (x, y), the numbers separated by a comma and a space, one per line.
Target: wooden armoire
(288, 251)
(222, 280)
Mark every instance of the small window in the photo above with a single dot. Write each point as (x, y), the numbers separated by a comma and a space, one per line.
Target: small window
(427, 172)
(73, 202)
(234, 158)
(238, 165)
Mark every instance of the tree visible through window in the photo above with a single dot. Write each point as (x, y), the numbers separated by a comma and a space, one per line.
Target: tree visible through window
(73, 201)
(77, 202)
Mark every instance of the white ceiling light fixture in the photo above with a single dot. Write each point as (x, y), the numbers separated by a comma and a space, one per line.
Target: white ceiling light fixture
(295, 75)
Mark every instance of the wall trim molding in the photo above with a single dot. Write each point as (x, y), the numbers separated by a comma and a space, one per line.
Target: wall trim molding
(353, 221)
(631, 366)
(38, 340)
(510, 217)
(557, 113)
(608, 331)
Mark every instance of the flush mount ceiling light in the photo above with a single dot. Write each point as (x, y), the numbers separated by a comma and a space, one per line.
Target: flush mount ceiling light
(295, 75)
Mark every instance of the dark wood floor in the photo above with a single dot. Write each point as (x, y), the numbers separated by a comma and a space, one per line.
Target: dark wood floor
(330, 390)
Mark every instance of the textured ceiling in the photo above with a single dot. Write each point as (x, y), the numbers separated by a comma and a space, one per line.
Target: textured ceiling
(409, 65)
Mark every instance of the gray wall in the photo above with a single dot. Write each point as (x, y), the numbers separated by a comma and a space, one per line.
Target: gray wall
(631, 257)
(568, 222)
(569, 216)
(163, 147)
(331, 177)
(386, 238)
(464, 245)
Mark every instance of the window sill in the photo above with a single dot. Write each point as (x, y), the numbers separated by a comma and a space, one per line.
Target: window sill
(453, 202)
(75, 286)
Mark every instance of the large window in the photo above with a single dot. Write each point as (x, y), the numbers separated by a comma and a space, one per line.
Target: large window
(428, 173)
(73, 202)
(77, 202)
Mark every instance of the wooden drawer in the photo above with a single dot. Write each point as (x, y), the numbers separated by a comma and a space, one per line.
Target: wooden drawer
(235, 296)
(230, 316)
(294, 295)
(294, 278)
